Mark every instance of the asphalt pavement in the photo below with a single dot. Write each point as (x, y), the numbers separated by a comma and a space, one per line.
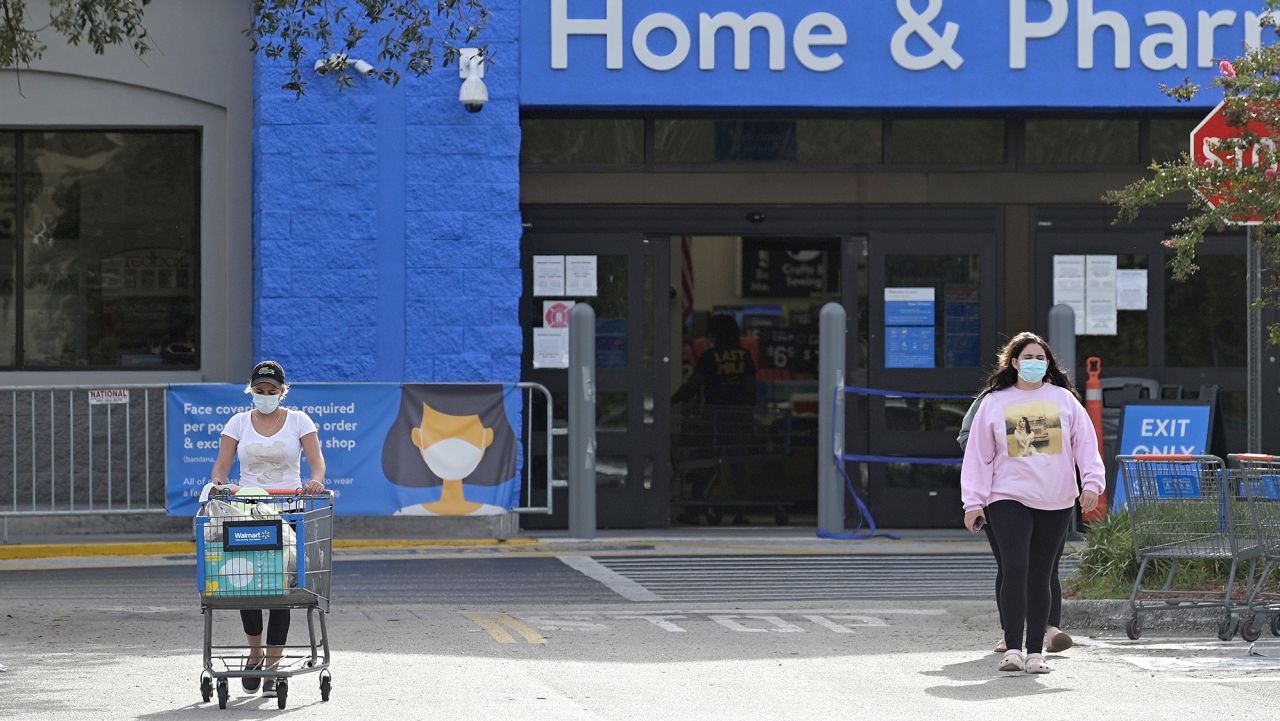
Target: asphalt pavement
(618, 628)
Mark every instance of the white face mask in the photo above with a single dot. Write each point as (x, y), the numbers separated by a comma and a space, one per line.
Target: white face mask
(265, 403)
(453, 459)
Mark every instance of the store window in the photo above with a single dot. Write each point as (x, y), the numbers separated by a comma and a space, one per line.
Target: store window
(948, 141)
(810, 141)
(1082, 141)
(1204, 318)
(100, 244)
(1170, 137)
(582, 141)
(1128, 347)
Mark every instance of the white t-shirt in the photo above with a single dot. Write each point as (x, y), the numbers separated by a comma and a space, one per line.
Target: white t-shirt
(270, 461)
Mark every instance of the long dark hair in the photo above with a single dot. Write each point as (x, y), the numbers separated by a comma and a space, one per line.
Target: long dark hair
(724, 332)
(1005, 375)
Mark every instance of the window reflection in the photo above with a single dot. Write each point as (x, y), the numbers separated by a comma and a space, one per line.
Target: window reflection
(8, 245)
(110, 249)
(1205, 319)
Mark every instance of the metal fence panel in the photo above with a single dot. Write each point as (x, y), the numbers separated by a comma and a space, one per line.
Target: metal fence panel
(82, 449)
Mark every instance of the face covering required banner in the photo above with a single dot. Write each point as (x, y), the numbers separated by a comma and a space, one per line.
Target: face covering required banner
(437, 449)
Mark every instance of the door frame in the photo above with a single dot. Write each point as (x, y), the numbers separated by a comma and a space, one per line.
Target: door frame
(927, 507)
(634, 504)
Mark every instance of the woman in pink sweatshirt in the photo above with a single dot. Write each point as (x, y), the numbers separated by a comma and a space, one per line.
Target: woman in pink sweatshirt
(1027, 439)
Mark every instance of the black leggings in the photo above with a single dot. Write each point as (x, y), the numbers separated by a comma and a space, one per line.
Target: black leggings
(277, 625)
(1055, 585)
(1029, 540)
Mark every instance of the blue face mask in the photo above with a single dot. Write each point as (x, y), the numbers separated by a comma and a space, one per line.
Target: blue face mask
(1032, 370)
(265, 403)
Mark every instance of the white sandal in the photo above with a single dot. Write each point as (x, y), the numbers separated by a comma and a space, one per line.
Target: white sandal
(1035, 664)
(1001, 647)
(1012, 660)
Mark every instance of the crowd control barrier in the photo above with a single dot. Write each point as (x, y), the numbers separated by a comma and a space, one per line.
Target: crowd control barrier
(81, 449)
(135, 449)
(840, 458)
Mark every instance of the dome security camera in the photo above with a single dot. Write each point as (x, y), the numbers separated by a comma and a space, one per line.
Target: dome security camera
(473, 94)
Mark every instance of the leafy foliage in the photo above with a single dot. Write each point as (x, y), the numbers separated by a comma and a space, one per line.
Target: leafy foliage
(408, 34)
(98, 23)
(405, 33)
(1251, 89)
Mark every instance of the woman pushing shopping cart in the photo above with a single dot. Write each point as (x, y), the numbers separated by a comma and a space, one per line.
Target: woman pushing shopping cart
(269, 547)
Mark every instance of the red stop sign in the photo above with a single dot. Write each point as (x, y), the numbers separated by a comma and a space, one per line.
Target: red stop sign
(1207, 150)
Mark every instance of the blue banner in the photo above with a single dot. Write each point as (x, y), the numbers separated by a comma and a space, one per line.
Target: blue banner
(431, 449)
(885, 54)
(1172, 428)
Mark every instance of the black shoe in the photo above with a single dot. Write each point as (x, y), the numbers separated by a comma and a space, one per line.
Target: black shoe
(251, 683)
(269, 688)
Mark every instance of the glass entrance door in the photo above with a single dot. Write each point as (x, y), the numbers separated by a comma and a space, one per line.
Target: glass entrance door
(632, 383)
(932, 324)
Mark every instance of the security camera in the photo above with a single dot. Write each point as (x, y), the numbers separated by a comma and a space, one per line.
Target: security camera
(363, 68)
(473, 94)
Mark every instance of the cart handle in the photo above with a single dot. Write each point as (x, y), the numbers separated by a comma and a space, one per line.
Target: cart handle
(1254, 457)
(1165, 457)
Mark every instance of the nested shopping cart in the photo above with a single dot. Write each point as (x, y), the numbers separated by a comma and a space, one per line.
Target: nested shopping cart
(270, 551)
(1259, 478)
(1186, 508)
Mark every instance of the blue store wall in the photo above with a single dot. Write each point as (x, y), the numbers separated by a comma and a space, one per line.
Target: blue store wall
(387, 223)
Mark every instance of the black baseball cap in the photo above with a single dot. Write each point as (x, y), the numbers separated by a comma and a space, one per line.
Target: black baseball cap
(267, 372)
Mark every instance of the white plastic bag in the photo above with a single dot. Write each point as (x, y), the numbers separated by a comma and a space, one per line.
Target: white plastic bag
(288, 539)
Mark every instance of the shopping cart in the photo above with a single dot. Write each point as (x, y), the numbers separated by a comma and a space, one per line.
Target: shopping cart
(268, 551)
(715, 454)
(1186, 508)
(1259, 478)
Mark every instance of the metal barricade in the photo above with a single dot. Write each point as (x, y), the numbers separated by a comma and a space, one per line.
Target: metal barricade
(1186, 508)
(541, 431)
(1259, 480)
(82, 449)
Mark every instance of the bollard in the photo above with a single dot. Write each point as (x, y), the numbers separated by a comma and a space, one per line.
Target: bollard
(582, 421)
(1093, 404)
(832, 327)
(1062, 338)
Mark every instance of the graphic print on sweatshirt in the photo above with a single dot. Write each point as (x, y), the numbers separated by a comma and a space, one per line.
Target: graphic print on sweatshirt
(267, 461)
(1033, 428)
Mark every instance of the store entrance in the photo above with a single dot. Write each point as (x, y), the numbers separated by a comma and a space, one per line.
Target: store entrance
(744, 417)
(932, 331)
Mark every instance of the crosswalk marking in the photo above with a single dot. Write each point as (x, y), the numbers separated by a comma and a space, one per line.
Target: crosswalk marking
(711, 578)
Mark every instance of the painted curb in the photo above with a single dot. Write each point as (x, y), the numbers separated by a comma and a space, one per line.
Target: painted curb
(174, 548)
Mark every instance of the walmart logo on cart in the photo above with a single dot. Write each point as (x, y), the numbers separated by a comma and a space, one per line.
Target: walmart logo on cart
(264, 534)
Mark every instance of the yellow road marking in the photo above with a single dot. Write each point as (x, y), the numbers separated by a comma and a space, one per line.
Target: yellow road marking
(498, 632)
(493, 624)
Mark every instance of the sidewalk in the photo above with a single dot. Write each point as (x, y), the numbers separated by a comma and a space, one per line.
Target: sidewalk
(677, 541)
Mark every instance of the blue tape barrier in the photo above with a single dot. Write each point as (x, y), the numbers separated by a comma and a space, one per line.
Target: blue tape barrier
(903, 459)
(840, 459)
(859, 390)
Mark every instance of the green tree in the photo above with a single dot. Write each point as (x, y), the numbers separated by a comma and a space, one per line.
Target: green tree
(1251, 88)
(409, 34)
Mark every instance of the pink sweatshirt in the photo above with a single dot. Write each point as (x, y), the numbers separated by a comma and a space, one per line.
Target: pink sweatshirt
(1024, 446)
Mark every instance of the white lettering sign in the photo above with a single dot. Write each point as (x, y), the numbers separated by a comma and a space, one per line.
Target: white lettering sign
(814, 30)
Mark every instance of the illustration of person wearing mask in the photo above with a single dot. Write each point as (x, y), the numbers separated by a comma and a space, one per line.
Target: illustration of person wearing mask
(452, 448)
